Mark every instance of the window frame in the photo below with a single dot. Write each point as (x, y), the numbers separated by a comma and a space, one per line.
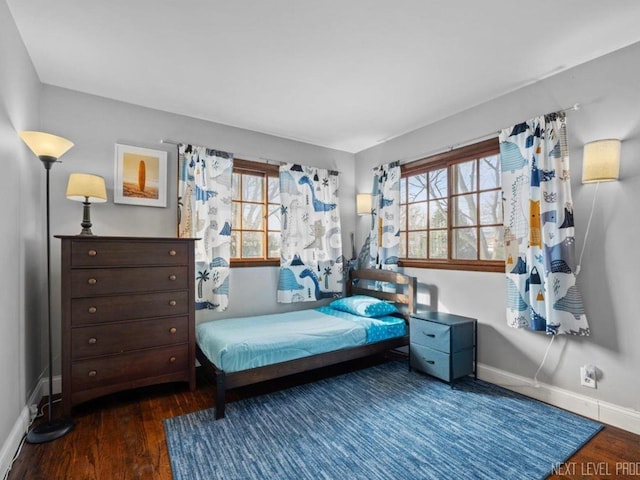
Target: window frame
(447, 160)
(266, 170)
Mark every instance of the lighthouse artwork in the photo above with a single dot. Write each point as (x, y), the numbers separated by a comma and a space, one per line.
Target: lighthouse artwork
(140, 176)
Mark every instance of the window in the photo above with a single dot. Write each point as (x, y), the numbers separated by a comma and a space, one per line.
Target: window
(255, 230)
(451, 210)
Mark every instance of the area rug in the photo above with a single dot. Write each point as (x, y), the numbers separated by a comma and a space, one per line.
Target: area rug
(382, 422)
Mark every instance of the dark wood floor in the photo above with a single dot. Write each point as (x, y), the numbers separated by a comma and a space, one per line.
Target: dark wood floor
(122, 437)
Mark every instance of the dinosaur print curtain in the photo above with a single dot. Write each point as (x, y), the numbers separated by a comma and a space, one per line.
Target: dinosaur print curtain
(204, 212)
(538, 228)
(311, 262)
(385, 217)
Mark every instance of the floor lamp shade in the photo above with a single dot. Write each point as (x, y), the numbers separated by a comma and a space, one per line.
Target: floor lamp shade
(48, 148)
(601, 161)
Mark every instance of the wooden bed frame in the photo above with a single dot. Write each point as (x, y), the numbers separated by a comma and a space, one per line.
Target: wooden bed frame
(355, 286)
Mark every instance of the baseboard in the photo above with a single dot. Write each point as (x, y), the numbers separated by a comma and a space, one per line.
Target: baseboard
(604, 412)
(22, 423)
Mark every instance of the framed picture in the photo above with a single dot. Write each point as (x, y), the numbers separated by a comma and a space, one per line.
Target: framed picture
(140, 176)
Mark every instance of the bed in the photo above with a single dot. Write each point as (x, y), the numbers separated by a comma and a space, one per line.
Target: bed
(243, 351)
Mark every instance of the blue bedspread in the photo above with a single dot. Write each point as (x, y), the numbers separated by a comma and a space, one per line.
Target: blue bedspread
(236, 344)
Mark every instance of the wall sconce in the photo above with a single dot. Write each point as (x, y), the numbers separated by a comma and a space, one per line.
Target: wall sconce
(86, 188)
(601, 161)
(363, 203)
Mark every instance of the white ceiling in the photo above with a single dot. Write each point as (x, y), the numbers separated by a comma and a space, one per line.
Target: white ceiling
(345, 74)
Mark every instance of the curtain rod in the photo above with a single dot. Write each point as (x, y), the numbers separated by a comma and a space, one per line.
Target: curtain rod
(250, 157)
(487, 136)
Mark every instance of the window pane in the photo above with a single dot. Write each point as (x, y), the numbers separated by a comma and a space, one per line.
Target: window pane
(274, 217)
(274, 189)
(236, 222)
(438, 244)
(491, 243)
(273, 245)
(402, 251)
(403, 217)
(252, 188)
(464, 175)
(235, 186)
(438, 183)
(490, 207)
(438, 214)
(418, 216)
(465, 244)
(235, 242)
(403, 190)
(417, 245)
(464, 213)
(490, 172)
(417, 187)
(252, 244)
(251, 216)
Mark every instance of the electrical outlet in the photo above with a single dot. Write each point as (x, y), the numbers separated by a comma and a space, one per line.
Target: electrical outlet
(33, 410)
(588, 376)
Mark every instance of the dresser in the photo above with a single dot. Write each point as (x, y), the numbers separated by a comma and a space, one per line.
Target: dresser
(443, 345)
(128, 316)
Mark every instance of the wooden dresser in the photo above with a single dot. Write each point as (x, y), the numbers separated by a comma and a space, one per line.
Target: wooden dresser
(128, 316)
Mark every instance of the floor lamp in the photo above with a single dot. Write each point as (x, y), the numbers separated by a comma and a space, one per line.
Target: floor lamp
(48, 148)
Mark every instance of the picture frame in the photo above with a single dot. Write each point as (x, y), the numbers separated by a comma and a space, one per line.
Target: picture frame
(140, 176)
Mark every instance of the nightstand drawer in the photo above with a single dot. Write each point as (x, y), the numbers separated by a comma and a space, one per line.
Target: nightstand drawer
(87, 282)
(430, 334)
(88, 253)
(430, 361)
(128, 367)
(113, 338)
(87, 311)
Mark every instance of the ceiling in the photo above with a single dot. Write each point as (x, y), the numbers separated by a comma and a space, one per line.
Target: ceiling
(345, 74)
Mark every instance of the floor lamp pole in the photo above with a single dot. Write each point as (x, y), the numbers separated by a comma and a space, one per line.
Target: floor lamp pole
(52, 428)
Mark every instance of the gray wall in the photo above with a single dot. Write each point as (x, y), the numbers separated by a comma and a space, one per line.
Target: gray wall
(609, 92)
(21, 188)
(96, 124)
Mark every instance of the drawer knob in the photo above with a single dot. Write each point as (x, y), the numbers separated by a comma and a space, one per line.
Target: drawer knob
(173, 330)
(172, 253)
(93, 373)
(92, 281)
(172, 303)
(172, 360)
(93, 340)
(430, 335)
(92, 253)
(430, 362)
(92, 309)
(172, 277)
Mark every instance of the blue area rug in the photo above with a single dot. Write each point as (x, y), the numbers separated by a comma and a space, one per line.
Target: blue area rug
(383, 423)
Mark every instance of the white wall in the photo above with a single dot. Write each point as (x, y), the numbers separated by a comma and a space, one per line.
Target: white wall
(22, 283)
(609, 93)
(96, 124)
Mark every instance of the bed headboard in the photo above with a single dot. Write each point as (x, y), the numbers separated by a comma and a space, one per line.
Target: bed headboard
(363, 282)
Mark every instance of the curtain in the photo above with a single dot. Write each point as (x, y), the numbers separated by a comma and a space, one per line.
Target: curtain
(311, 262)
(538, 228)
(385, 217)
(204, 212)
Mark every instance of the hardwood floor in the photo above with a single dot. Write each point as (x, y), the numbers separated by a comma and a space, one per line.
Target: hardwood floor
(121, 436)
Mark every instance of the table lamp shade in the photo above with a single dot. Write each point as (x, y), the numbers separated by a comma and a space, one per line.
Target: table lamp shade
(46, 144)
(85, 187)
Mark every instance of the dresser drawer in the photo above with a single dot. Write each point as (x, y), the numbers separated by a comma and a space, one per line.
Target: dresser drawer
(87, 253)
(112, 338)
(87, 282)
(128, 367)
(86, 311)
(430, 334)
(445, 366)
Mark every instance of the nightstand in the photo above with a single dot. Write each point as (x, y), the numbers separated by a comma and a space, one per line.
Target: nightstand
(443, 345)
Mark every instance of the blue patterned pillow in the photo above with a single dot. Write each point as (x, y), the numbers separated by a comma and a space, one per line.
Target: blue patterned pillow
(364, 306)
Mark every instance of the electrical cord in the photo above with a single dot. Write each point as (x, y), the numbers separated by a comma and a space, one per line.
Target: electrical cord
(586, 233)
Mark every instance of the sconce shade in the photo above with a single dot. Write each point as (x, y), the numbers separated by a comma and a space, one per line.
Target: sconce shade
(84, 187)
(601, 161)
(45, 144)
(363, 203)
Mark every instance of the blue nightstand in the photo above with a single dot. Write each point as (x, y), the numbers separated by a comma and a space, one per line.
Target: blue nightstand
(443, 345)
